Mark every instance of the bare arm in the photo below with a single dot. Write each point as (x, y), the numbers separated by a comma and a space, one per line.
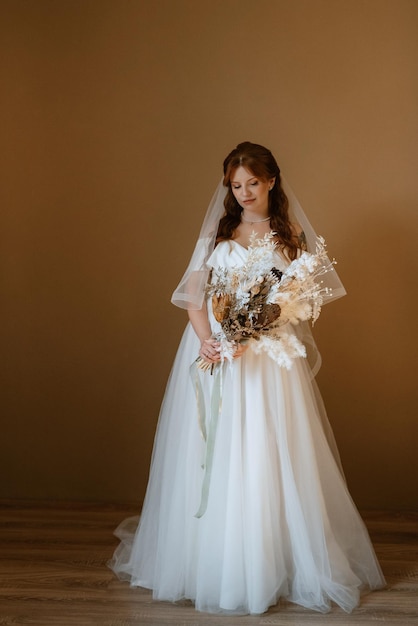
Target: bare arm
(209, 348)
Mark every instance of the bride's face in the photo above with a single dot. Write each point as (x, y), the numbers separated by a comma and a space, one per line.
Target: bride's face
(251, 192)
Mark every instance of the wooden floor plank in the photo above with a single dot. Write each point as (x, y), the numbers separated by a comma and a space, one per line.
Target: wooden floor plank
(53, 573)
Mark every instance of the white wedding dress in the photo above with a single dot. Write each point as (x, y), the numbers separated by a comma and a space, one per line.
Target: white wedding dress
(279, 520)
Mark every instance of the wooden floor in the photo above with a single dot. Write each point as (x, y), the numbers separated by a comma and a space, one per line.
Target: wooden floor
(53, 571)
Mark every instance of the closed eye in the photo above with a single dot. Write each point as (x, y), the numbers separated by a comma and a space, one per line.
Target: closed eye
(253, 184)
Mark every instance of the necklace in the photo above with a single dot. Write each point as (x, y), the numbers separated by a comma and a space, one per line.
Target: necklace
(251, 222)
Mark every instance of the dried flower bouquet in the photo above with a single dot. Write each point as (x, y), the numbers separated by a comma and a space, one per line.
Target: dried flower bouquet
(253, 302)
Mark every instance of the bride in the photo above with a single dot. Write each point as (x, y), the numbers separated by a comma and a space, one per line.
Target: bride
(271, 517)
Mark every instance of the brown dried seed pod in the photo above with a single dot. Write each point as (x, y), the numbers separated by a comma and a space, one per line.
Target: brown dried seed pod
(221, 306)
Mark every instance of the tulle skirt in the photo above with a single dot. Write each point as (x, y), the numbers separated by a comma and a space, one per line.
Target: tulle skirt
(279, 521)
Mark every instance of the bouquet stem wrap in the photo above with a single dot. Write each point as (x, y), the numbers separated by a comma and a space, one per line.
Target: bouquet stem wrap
(208, 434)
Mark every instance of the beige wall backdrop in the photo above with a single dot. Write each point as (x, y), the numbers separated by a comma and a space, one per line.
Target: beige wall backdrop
(116, 116)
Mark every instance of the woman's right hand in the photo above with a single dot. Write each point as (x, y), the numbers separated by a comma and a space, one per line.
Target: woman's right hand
(210, 350)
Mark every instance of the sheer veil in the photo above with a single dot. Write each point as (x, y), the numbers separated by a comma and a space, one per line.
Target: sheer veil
(190, 292)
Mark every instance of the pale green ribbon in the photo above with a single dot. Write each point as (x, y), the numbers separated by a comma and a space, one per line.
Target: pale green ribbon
(209, 435)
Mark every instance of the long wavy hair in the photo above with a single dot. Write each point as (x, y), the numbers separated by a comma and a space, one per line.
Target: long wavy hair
(262, 164)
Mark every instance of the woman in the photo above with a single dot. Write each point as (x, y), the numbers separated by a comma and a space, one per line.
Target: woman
(267, 513)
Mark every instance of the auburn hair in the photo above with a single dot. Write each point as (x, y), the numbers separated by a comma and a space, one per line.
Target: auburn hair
(262, 164)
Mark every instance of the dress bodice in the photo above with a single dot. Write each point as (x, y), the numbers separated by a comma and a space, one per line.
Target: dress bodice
(230, 254)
